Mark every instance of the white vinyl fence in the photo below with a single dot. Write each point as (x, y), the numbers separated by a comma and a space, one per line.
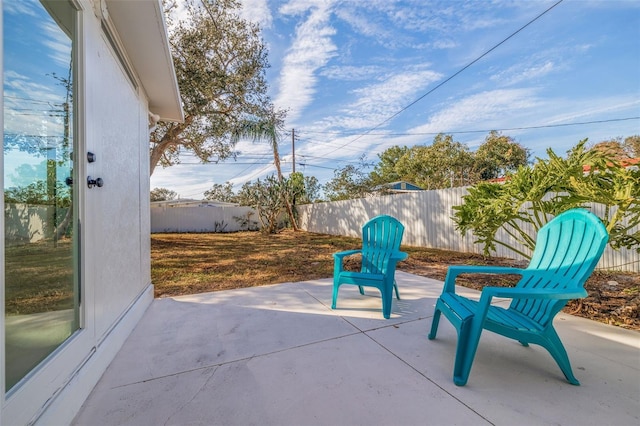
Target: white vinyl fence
(426, 216)
(203, 219)
(29, 223)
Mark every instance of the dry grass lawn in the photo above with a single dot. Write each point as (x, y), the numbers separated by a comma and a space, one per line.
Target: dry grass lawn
(198, 263)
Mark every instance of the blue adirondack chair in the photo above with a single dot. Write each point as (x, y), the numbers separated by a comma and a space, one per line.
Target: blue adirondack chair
(381, 238)
(566, 252)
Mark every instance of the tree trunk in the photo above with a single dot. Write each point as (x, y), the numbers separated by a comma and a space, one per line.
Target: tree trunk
(287, 202)
(170, 138)
(156, 154)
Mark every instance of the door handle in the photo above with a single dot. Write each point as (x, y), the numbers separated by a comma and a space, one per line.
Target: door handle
(94, 182)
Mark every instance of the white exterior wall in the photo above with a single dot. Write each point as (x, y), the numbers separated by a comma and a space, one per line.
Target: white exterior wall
(426, 216)
(114, 234)
(117, 133)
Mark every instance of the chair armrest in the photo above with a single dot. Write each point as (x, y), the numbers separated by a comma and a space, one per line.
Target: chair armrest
(394, 258)
(399, 256)
(338, 260)
(342, 254)
(533, 293)
(455, 270)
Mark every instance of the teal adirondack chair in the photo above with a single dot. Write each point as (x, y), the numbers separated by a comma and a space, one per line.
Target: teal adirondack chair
(566, 252)
(381, 238)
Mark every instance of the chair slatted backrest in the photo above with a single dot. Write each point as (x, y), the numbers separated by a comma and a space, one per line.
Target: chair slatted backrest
(566, 253)
(381, 237)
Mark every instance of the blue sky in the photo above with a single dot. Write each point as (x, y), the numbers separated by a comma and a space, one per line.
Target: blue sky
(35, 49)
(346, 71)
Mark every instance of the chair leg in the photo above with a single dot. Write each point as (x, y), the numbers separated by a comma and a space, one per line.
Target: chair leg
(468, 339)
(336, 286)
(361, 290)
(434, 323)
(387, 296)
(395, 287)
(555, 347)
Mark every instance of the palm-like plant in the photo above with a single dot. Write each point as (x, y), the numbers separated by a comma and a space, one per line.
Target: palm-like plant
(532, 195)
(270, 128)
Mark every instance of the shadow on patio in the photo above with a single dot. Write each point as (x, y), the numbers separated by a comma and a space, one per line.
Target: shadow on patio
(278, 355)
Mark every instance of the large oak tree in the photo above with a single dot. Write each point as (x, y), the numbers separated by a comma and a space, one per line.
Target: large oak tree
(220, 61)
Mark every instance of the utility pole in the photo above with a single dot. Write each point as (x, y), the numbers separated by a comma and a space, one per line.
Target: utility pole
(293, 148)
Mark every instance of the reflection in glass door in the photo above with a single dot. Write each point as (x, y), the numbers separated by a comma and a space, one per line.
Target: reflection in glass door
(41, 284)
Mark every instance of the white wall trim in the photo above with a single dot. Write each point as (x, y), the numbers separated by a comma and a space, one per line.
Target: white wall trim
(64, 406)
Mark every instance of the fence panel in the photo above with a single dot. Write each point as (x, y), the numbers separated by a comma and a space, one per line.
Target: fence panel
(202, 219)
(30, 223)
(427, 219)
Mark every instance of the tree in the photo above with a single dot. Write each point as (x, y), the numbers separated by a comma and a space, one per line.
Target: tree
(620, 149)
(221, 192)
(268, 127)
(447, 163)
(385, 170)
(301, 189)
(163, 194)
(499, 155)
(220, 61)
(349, 182)
(311, 188)
(37, 194)
(632, 145)
(265, 196)
(444, 164)
(534, 194)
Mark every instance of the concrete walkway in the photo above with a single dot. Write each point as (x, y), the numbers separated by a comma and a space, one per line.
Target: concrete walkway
(278, 355)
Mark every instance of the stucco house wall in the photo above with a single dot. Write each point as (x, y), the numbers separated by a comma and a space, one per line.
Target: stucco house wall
(125, 77)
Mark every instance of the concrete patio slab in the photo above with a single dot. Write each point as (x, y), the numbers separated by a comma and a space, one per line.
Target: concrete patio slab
(278, 355)
(190, 332)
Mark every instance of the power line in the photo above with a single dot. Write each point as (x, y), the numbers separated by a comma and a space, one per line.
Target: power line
(306, 164)
(458, 132)
(325, 158)
(442, 83)
(506, 129)
(318, 167)
(331, 143)
(35, 101)
(183, 163)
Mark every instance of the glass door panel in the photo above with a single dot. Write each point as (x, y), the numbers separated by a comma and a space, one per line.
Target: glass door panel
(41, 279)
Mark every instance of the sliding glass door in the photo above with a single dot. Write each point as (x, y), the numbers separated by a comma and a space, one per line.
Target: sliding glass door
(41, 236)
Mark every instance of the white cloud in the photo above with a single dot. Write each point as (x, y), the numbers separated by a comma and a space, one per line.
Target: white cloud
(21, 7)
(311, 50)
(519, 73)
(257, 11)
(365, 24)
(298, 7)
(58, 43)
(380, 101)
(352, 73)
(518, 109)
(29, 104)
(490, 109)
(560, 111)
